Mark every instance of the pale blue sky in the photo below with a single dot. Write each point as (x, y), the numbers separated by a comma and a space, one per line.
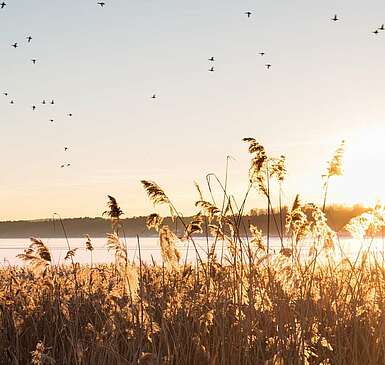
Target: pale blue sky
(102, 65)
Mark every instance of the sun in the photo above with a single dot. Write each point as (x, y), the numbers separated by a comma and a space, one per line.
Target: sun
(364, 168)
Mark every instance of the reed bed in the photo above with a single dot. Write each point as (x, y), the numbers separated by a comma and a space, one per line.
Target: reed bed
(247, 306)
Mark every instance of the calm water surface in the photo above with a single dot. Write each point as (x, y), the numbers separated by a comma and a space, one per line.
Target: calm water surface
(150, 250)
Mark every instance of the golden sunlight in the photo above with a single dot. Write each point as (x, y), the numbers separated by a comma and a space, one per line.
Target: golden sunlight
(364, 173)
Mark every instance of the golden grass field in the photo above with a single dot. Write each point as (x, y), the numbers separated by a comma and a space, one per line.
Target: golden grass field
(250, 306)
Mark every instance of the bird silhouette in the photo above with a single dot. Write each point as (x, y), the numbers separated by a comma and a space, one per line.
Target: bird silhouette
(33, 107)
(212, 59)
(68, 164)
(43, 102)
(62, 166)
(153, 96)
(33, 61)
(6, 94)
(375, 31)
(211, 69)
(51, 120)
(261, 53)
(382, 27)
(3, 4)
(29, 39)
(52, 102)
(101, 4)
(69, 114)
(65, 148)
(248, 13)
(335, 18)
(268, 66)
(15, 45)
(12, 102)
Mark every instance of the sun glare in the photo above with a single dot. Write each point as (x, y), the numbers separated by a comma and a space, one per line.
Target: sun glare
(364, 171)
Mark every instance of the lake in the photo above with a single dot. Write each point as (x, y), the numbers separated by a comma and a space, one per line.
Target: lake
(150, 249)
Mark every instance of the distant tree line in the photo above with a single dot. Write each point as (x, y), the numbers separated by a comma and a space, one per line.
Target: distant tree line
(338, 216)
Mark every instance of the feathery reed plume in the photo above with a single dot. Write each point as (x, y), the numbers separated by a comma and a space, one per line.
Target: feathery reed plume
(155, 192)
(334, 169)
(259, 153)
(208, 208)
(39, 357)
(37, 256)
(114, 243)
(114, 212)
(335, 165)
(89, 246)
(127, 271)
(154, 220)
(256, 238)
(254, 146)
(358, 226)
(70, 254)
(170, 253)
(368, 223)
(257, 170)
(296, 221)
(278, 168)
(40, 248)
(319, 228)
(195, 226)
(157, 195)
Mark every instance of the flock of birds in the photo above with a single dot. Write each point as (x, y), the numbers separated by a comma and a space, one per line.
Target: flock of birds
(44, 101)
(376, 31)
(212, 59)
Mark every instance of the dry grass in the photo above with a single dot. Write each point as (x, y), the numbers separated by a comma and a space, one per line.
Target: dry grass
(263, 314)
(249, 306)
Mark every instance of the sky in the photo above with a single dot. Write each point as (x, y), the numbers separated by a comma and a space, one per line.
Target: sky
(103, 64)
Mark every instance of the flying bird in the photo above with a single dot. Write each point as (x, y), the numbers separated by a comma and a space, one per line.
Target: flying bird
(33, 107)
(248, 13)
(335, 18)
(65, 148)
(43, 102)
(211, 69)
(261, 53)
(68, 164)
(62, 166)
(33, 61)
(29, 39)
(101, 4)
(153, 96)
(12, 102)
(52, 102)
(3, 4)
(14, 45)
(375, 31)
(69, 114)
(51, 120)
(268, 66)
(212, 59)
(6, 94)
(382, 27)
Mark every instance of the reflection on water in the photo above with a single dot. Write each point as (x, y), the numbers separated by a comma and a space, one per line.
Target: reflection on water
(149, 248)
